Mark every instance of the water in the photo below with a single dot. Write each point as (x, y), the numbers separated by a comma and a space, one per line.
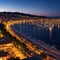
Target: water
(50, 35)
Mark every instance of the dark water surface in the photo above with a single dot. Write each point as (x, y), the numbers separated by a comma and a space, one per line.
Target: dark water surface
(50, 35)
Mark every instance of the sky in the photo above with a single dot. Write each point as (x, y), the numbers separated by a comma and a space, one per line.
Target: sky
(35, 7)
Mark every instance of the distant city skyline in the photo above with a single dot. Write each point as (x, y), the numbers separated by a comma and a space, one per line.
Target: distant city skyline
(35, 7)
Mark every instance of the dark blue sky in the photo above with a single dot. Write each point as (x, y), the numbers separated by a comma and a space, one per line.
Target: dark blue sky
(37, 7)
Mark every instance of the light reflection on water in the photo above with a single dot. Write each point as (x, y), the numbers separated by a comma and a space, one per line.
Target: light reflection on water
(50, 35)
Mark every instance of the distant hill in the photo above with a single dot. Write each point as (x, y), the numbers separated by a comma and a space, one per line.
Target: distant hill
(18, 14)
(22, 14)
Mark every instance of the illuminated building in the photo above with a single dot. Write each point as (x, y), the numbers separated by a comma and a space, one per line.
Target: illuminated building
(4, 55)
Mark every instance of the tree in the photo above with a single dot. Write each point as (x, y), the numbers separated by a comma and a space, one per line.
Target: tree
(43, 55)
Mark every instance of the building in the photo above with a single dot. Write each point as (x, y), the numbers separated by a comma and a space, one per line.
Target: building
(4, 55)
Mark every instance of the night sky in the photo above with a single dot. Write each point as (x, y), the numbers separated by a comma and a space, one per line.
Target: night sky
(36, 7)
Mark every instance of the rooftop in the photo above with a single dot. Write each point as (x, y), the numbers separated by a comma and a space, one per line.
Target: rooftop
(4, 41)
(34, 58)
(3, 53)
